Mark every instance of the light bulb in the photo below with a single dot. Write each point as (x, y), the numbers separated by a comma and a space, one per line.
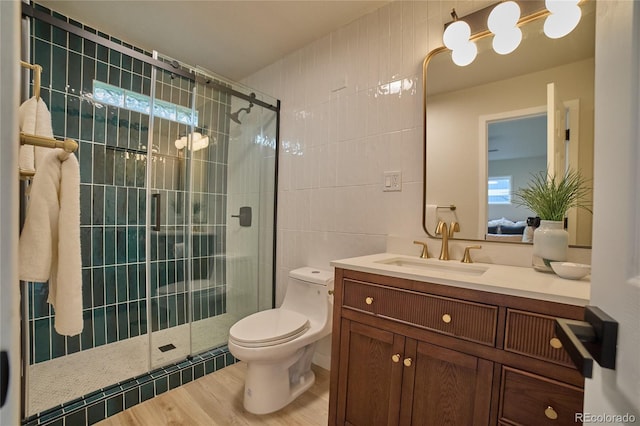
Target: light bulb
(565, 16)
(181, 143)
(195, 141)
(464, 54)
(503, 17)
(507, 41)
(559, 25)
(559, 6)
(456, 34)
(201, 143)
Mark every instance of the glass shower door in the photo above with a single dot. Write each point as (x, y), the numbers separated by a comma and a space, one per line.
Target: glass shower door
(169, 214)
(211, 214)
(233, 189)
(208, 205)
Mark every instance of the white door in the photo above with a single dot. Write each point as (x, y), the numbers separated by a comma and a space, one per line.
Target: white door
(9, 284)
(556, 131)
(616, 228)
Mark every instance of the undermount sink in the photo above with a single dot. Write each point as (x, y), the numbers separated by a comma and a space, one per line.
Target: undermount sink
(434, 265)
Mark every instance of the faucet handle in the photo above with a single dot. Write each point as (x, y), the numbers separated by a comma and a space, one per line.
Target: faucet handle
(425, 253)
(466, 258)
(454, 227)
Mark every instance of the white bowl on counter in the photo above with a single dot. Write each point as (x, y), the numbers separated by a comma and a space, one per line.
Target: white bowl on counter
(571, 271)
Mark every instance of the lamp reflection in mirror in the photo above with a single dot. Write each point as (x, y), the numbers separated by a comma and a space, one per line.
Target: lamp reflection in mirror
(502, 23)
(456, 37)
(199, 142)
(565, 16)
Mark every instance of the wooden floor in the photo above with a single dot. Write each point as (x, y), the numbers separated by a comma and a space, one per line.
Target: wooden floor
(216, 399)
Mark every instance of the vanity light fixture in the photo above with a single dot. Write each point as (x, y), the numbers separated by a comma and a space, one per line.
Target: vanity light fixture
(456, 37)
(565, 16)
(503, 23)
(503, 20)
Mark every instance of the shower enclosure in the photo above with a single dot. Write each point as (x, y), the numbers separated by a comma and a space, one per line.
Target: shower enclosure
(178, 176)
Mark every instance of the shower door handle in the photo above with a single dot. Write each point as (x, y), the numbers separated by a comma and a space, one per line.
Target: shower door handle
(244, 215)
(156, 198)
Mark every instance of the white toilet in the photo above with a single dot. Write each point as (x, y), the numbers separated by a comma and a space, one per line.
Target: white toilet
(278, 344)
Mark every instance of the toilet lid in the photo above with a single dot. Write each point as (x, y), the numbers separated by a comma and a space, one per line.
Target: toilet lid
(269, 327)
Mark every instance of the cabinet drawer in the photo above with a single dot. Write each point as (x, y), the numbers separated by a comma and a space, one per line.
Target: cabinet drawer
(534, 335)
(466, 320)
(527, 399)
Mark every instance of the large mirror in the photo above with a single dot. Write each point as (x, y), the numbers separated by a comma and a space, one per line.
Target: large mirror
(486, 128)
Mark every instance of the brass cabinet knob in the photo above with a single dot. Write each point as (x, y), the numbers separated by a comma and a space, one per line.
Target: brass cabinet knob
(550, 413)
(555, 343)
(331, 292)
(368, 300)
(446, 318)
(395, 358)
(407, 362)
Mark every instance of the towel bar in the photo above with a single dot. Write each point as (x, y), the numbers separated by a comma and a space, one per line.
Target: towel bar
(68, 145)
(36, 76)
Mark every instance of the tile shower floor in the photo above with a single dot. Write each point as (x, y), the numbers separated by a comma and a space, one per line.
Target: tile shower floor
(63, 379)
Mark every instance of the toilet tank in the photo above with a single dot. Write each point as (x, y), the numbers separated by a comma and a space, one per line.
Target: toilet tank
(308, 293)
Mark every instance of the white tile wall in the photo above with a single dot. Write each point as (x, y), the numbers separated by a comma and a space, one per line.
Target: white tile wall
(352, 109)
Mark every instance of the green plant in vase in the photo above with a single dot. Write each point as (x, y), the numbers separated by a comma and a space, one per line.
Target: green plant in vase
(550, 197)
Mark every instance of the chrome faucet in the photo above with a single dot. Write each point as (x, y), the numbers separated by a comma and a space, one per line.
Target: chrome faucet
(446, 234)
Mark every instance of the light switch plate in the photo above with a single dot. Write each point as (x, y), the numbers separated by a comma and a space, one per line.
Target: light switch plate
(392, 181)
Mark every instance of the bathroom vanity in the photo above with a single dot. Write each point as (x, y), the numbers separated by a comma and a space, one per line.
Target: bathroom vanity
(424, 342)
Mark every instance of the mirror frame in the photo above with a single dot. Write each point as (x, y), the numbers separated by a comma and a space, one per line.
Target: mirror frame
(532, 11)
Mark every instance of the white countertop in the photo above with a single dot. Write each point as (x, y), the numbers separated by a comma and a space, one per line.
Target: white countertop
(502, 279)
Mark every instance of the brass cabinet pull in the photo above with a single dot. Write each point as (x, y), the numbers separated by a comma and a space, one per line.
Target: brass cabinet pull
(550, 413)
(368, 300)
(395, 358)
(555, 343)
(446, 318)
(407, 362)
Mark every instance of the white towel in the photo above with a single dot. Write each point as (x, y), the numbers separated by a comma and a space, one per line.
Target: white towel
(50, 239)
(43, 128)
(27, 121)
(34, 119)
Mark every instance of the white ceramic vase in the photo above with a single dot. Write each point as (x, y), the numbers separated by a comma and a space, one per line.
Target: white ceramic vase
(550, 244)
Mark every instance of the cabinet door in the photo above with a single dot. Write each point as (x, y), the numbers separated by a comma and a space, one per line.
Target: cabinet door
(370, 383)
(449, 388)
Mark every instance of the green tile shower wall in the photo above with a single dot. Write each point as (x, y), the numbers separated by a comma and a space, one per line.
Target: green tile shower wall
(113, 166)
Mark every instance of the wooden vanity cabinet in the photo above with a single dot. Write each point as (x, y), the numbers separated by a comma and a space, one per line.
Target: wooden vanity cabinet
(415, 353)
(390, 379)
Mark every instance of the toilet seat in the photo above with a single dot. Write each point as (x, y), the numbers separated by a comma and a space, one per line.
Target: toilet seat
(268, 328)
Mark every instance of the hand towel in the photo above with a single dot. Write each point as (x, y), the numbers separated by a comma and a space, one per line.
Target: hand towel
(43, 128)
(27, 123)
(50, 240)
(34, 119)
